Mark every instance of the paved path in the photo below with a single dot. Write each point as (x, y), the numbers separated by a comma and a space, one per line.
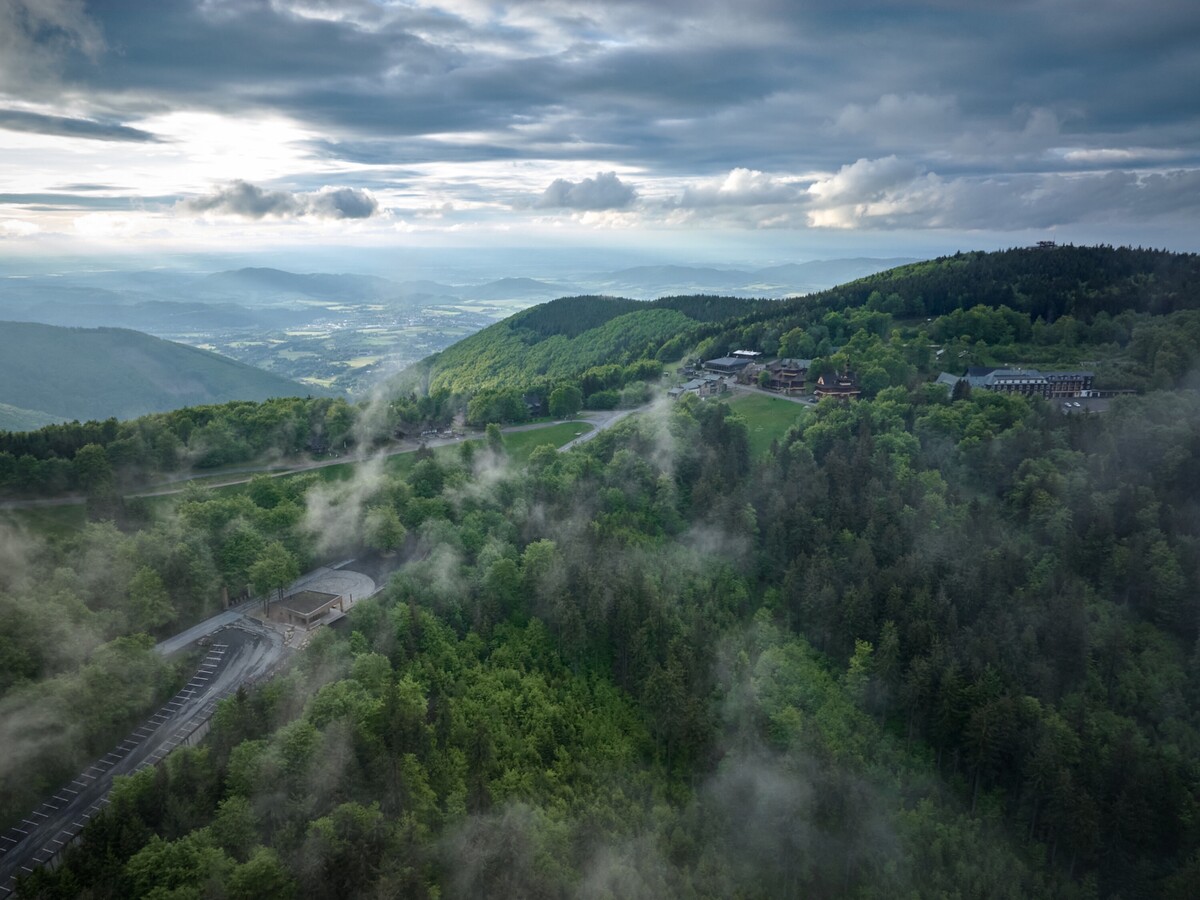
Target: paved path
(240, 654)
(243, 650)
(209, 626)
(353, 586)
(792, 398)
(601, 420)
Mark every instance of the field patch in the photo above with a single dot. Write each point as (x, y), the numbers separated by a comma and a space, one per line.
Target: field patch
(767, 418)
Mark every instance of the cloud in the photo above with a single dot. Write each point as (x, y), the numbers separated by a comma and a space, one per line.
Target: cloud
(35, 38)
(741, 187)
(895, 114)
(333, 513)
(57, 201)
(17, 228)
(863, 181)
(19, 120)
(605, 191)
(891, 193)
(724, 113)
(240, 198)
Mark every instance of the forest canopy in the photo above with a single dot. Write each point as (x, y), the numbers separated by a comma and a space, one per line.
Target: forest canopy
(928, 643)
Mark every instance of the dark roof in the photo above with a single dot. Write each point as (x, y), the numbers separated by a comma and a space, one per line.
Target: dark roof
(305, 602)
(728, 362)
(833, 381)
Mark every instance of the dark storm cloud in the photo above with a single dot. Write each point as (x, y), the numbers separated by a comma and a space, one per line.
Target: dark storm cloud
(249, 201)
(231, 55)
(420, 73)
(19, 120)
(36, 36)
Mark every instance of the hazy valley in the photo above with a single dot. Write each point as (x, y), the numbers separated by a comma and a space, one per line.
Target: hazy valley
(347, 332)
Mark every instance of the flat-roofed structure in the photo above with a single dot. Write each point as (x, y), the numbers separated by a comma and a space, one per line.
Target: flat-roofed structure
(727, 364)
(305, 607)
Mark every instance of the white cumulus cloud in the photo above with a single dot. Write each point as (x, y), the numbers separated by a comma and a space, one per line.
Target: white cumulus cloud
(742, 187)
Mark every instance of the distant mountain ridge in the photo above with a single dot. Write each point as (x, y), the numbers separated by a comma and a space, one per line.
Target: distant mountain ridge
(48, 373)
(790, 279)
(276, 283)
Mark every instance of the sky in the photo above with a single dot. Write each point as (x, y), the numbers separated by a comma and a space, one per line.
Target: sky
(778, 130)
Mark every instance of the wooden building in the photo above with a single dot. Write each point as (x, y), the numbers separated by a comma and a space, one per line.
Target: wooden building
(844, 386)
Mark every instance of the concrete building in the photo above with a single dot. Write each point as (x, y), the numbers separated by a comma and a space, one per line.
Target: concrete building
(304, 608)
(704, 386)
(1024, 381)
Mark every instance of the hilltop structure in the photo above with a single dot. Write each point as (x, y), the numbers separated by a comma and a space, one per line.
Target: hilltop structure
(1023, 381)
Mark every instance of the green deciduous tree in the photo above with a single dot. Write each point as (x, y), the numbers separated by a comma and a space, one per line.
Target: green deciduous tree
(565, 400)
(274, 569)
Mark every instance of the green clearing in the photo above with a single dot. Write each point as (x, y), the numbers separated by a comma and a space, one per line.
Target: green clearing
(767, 418)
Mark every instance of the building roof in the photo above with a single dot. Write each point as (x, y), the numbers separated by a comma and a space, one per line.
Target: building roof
(989, 376)
(728, 362)
(304, 603)
(791, 363)
(838, 383)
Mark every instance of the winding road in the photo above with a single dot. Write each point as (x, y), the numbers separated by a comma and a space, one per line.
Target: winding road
(175, 485)
(241, 651)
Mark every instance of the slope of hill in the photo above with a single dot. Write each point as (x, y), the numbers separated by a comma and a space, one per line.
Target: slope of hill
(516, 289)
(277, 284)
(565, 337)
(13, 418)
(78, 373)
(561, 339)
(1046, 282)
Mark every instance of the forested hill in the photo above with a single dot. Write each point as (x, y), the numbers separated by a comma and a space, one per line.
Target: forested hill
(563, 338)
(59, 374)
(1133, 309)
(1040, 282)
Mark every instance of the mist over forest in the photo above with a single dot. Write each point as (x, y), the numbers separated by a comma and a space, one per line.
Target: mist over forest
(935, 639)
(520, 448)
